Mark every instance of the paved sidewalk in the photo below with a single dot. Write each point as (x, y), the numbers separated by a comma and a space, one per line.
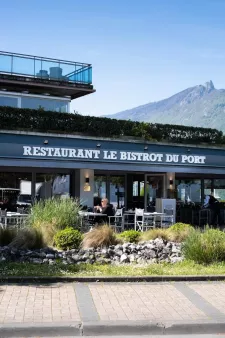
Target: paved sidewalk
(91, 306)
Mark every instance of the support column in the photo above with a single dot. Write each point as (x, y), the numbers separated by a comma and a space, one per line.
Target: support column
(87, 187)
(33, 187)
(170, 184)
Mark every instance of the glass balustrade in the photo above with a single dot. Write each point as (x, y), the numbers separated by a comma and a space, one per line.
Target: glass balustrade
(45, 68)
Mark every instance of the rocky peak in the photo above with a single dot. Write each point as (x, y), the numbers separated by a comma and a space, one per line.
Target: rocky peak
(209, 86)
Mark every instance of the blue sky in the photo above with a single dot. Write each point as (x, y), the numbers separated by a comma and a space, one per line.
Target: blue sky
(141, 51)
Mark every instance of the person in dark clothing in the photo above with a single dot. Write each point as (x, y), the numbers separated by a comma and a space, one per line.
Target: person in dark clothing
(105, 209)
(214, 205)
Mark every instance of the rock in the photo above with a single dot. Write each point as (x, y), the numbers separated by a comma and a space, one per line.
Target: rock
(36, 260)
(2, 259)
(132, 258)
(119, 253)
(45, 260)
(124, 259)
(50, 256)
(51, 262)
(42, 255)
(150, 254)
(118, 247)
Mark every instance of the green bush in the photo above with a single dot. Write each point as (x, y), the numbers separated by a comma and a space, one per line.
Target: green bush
(180, 227)
(205, 247)
(52, 215)
(179, 232)
(130, 236)
(67, 239)
(6, 236)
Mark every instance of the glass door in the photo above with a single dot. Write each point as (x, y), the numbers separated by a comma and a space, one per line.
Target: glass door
(154, 188)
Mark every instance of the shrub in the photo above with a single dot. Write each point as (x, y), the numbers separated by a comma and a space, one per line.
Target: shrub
(180, 227)
(50, 216)
(153, 234)
(130, 236)
(179, 232)
(205, 247)
(99, 237)
(6, 236)
(28, 239)
(67, 239)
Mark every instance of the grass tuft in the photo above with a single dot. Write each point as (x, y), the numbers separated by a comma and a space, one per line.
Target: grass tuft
(100, 236)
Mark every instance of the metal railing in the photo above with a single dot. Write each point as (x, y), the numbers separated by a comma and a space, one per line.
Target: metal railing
(45, 68)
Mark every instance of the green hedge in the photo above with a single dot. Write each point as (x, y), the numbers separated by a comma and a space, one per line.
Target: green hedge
(48, 121)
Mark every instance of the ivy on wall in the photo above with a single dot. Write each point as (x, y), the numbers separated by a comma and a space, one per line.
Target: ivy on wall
(48, 121)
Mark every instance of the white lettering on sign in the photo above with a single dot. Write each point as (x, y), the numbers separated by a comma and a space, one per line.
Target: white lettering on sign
(193, 159)
(112, 155)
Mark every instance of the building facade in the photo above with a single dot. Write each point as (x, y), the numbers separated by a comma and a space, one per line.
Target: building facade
(130, 173)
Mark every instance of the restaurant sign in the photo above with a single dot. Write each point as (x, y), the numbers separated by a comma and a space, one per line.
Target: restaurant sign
(111, 155)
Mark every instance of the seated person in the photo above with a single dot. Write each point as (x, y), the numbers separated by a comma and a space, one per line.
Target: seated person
(106, 209)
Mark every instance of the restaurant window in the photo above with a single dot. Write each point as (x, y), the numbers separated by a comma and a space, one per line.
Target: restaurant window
(45, 104)
(219, 189)
(207, 187)
(188, 190)
(52, 186)
(6, 100)
(15, 190)
(117, 191)
(99, 189)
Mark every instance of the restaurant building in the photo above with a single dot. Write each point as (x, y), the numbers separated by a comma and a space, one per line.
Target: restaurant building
(129, 172)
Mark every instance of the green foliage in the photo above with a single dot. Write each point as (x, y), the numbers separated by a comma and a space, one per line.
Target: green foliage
(52, 215)
(130, 236)
(101, 236)
(153, 234)
(180, 227)
(6, 236)
(205, 247)
(67, 239)
(179, 232)
(47, 121)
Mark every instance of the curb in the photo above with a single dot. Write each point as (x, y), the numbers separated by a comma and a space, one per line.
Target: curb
(109, 328)
(116, 279)
(40, 330)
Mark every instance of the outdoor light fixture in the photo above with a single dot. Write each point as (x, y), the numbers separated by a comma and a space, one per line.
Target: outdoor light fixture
(45, 141)
(87, 186)
(171, 182)
(98, 145)
(146, 148)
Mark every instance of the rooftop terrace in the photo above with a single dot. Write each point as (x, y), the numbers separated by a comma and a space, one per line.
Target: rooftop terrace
(19, 72)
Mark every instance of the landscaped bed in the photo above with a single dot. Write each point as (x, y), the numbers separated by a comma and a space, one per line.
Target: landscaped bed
(53, 245)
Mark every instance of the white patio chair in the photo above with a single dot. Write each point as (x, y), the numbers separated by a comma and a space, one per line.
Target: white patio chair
(143, 223)
(116, 221)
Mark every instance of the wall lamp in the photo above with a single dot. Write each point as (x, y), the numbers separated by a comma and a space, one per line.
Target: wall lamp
(98, 145)
(45, 141)
(146, 148)
(171, 182)
(87, 186)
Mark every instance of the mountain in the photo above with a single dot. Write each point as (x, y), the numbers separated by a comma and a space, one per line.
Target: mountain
(201, 106)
